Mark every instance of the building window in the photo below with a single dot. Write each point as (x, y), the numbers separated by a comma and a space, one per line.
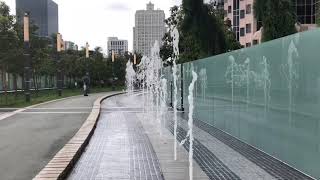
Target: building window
(248, 44)
(242, 32)
(236, 4)
(305, 10)
(254, 42)
(229, 9)
(242, 14)
(248, 28)
(236, 18)
(248, 9)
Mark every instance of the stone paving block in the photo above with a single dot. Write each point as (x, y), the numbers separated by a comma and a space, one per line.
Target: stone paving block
(71, 148)
(47, 176)
(56, 166)
(74, 142)
(53, 172)
(60, 161)
(52, 169)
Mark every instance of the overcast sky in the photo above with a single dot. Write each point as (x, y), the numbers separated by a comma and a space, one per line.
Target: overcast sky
(96, 20)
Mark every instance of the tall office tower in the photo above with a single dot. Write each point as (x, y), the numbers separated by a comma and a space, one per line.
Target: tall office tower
(120, 47)
(43, 13)
(149, 27)
(247, 28)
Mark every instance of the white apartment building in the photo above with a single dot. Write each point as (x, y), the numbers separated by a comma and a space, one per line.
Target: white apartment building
(248, 29)
(68, 45)
(244, 24)
(149, 27)
(120, 47)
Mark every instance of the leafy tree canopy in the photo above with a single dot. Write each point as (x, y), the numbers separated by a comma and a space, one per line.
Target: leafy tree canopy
(277, 16)
(202, 31)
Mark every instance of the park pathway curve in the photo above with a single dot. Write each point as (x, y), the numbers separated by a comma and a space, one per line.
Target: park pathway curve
(30, 138)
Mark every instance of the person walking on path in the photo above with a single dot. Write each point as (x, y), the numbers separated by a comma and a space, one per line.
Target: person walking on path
(86, 84)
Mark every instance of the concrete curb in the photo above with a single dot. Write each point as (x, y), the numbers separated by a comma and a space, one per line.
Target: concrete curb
(63, 162)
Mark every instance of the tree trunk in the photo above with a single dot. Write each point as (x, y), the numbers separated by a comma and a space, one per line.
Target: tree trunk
(46, 82)
(15, 86)
(2, 80)
(35, 83)
(70, 84)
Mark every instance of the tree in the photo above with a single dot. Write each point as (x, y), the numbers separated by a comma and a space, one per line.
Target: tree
(175, 19)
(204, 27)
(202, 31)
(43, 54)
(10, 52)
(166, 50)
(277, 17)
(232, 43)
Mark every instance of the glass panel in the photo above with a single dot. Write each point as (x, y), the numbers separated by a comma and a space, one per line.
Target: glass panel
(267, 96)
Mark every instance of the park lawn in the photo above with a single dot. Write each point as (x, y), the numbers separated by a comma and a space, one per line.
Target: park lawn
(12, 100)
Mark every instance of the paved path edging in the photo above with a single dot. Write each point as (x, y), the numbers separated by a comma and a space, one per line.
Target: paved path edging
(63, 162)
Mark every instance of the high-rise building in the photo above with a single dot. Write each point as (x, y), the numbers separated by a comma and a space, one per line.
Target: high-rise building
(248, 30)
(68, 45)
(43, 13)
(149, 27)
(119, 47)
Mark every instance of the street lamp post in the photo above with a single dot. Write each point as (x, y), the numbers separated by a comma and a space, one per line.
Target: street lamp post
(87, 65)
(59, 71)
(87, 58)
(135, 65)
(181, 69)
(27, 66)
(113, 78)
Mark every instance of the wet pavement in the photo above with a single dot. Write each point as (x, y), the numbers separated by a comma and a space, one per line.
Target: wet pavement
(121, 152)
(127, 145)
(119, 148)
(131, 143)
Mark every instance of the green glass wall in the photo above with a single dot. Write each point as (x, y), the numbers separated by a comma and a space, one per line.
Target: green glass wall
(267, 96)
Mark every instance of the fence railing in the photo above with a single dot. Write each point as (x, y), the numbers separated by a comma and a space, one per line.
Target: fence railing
(9, 83)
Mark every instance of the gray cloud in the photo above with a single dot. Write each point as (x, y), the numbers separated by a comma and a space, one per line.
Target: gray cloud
(118, 7)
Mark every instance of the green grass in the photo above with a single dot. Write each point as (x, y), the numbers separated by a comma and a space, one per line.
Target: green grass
(17, 100)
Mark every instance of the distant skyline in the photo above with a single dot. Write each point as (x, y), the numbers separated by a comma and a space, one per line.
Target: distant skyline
(96, 20)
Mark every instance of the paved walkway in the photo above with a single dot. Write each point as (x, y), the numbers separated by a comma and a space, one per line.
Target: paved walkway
(130, 144)
(127, 145)
(30, 138)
